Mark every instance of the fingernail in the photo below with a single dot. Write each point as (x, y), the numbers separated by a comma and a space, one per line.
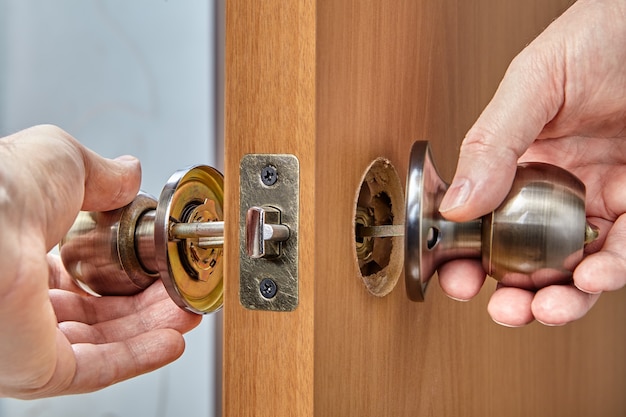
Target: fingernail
(456, 196)
(551, 324)
(126, 158)
(509, 325)
(586, 291)
(463, 300)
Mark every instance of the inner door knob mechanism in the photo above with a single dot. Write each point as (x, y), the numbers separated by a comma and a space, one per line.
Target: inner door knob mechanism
(535, 238)
(178, 238)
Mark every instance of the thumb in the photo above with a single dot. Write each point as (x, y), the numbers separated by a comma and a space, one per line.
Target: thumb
(526, 100)
(109, 183)
(53, 176)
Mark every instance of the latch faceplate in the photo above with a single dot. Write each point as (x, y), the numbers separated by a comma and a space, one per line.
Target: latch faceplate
(268, 243)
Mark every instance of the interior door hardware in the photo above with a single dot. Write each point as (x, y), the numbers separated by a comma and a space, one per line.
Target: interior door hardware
(269, 195)
(177, 238)
(534, 238)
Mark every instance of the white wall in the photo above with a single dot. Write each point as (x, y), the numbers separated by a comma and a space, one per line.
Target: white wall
(124, 77)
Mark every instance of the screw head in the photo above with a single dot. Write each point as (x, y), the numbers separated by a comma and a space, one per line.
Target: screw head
(269, 176)
(268, 288)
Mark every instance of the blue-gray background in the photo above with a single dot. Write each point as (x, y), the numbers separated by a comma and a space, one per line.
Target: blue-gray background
(136, 77)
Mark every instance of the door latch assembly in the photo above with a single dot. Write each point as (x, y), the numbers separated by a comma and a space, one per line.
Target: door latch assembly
(269, 199)
(179, 239)
(536, 236)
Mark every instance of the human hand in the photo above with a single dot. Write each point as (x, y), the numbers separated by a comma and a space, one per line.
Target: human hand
(562, 101)
(56, 339)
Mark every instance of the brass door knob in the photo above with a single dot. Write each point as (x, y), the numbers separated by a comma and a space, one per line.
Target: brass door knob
(177, 238)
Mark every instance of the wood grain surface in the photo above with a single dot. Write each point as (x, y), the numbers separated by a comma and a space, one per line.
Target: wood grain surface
(339, 83)
(270, 108)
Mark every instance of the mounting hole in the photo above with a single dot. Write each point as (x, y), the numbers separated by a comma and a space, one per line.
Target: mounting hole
(379, 202)
(432, 238)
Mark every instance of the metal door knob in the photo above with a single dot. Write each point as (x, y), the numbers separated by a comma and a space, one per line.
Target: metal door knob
(178, 238)
(533, 239)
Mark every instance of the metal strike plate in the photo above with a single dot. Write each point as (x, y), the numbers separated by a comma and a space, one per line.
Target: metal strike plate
(268, 180)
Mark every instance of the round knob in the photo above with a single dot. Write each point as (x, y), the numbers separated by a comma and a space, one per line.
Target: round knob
(533, 239)
(536, 236)
(178, 238)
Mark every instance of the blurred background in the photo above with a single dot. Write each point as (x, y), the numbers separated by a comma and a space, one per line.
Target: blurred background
(137, 77)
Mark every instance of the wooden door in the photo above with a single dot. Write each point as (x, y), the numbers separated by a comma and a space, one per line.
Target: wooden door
(339, 83)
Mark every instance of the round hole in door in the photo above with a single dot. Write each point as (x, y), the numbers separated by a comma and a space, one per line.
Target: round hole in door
(379, 202)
